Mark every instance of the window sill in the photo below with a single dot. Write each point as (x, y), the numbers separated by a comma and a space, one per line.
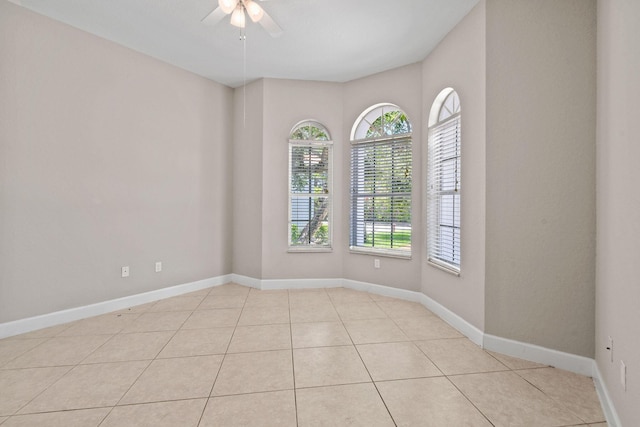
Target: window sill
(299, 250)
(380, 252)
(444, 267)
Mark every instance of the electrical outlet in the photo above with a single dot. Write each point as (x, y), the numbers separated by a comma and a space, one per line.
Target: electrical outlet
(623, 375)
(610, 348)
(376, 263)
(158, 267)
(125, 271)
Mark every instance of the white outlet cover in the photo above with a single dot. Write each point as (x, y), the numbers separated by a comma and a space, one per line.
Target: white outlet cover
(125, 271)
(158, 266)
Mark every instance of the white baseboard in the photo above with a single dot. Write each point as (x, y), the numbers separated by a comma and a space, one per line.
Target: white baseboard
(270, 284)
(246, 281)
(386, 291)
(464, 327)
(29, 324)
(535, 353)
(569, 362)
(609, 410)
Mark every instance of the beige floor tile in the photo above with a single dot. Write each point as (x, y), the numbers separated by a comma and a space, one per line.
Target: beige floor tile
(260, 338)
(12, 348)
(172, 379)
(508, 400)
(201, 293)
(222, 301)
(359, 310)
(268, 299)
(459, 356)
(426, 328)
(402, 309)
(276, 408)
(574, 391)
(374, 331)
(205, 319)
(319, 334)
(314, 313)
(514, 362)
(134, 346)
(254, 372)
(141, 308)
(342, 295)
(599, 425)
(198, 342)
(19, 386)
(59, 351)
(401, 360)
(322, 366)
(159, 321)
(78, 418)
(303, 298)
(344, 405)
(44, 333)
(429, 402)
(264, 316)
(107, 324)
(88, 386)
(181, 303)
(3, 419)
(183, 413)
(229, 289)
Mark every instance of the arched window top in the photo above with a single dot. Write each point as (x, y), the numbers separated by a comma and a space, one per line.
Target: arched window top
(381, 120)
(446, 105)
(309, 130)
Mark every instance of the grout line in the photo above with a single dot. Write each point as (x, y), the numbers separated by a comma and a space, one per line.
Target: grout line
(293, 362)
(366, 368)
(223, 357)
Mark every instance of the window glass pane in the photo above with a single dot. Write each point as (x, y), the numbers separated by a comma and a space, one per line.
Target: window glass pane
(309, 186)
(443, 182)
(381, 172)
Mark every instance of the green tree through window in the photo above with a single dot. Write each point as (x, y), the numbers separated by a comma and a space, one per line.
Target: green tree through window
(309, 186)
(381, 161)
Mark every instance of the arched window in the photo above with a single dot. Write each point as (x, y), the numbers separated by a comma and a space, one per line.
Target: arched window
(381, 182)
(310, 158)
(443, 182)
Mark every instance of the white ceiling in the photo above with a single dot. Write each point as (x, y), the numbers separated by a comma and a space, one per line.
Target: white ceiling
(325, 40)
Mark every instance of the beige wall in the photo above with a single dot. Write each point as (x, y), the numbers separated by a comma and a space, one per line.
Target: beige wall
(107, 158)
(248, 113)
(540, 225)
(459, 62)
(111, 158)
(402, 87)
(618, 151)
(286, 103)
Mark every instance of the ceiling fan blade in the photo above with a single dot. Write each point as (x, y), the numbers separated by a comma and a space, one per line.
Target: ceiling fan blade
(270, 25)
(214, 17)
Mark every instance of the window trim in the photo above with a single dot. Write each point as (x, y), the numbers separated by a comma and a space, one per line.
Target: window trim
(434, 197)
(307, 248)
(371, 115)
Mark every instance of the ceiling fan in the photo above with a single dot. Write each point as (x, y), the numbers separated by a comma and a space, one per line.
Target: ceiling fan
(237, 9)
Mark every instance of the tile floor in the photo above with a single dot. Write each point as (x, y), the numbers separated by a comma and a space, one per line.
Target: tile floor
(234, 356)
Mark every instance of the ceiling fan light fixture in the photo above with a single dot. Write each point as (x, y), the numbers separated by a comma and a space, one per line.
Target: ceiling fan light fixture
(254, 10)
(228, 6)
(237, 17)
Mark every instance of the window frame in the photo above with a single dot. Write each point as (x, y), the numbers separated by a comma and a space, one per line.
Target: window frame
(310, 143)
(360, 141)
(438, 127)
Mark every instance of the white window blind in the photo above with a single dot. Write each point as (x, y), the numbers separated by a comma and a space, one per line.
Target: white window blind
(310, 187)
(381, 194)
(444, 187)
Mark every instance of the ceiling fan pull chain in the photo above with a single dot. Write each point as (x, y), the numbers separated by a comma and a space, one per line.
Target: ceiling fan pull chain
(243, 38)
